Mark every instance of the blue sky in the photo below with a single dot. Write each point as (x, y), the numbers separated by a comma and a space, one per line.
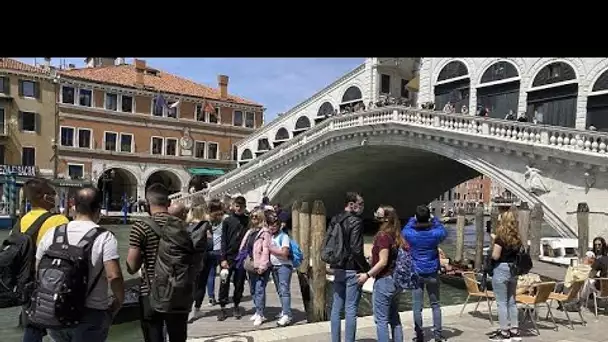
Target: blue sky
(277, 83)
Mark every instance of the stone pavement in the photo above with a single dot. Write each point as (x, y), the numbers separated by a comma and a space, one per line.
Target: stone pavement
(469, 327)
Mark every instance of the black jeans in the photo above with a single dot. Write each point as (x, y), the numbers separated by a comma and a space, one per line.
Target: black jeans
(238, 277)
(152, 323)
(203, 277)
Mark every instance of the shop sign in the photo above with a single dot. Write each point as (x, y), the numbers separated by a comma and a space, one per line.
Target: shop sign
(18, 170)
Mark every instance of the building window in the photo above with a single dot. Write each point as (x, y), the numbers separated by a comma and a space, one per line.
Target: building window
(212, 150)
(172, 112)
(171, 147)
(481, 196)
(235, 152)
(199, 113)
(28, 89)
(249, 119)
(405, 93)
(2, 120)
(199, 149)
(76, 171)
(4, 85)
(157, 145)
(127, 104)
(214, 117)
(237, 118)
(28, 121)
(85, 97)
(126, 142)
(110, 141)
(84, 138)
(156, 110)
(2, 152)
(28, 156)
(385, 84)
(112, 101)
(67, 95)
(67, 136)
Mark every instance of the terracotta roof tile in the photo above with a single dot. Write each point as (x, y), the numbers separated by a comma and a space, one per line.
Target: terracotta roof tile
(13, 64)
(125, 75)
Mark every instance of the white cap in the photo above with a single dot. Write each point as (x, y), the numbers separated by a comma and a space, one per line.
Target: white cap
(224, 274)
(590, 254)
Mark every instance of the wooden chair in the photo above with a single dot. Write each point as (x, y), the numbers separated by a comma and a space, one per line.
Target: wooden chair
(543, 291)
(470, 280)
(567, 299)
(601, 294)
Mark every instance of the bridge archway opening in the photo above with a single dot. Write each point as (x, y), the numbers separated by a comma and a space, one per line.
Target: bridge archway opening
(263, 145)
(498, 90)
(167, 178)
(453, 87)
(552, 99)
(115, 184)
(597, 104)
(281, 136)
(302, 125)
(325, 111)
(351, 99)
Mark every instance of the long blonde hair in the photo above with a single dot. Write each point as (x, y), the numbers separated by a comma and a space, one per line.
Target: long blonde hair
(508, 229)
(197, 213)
(259, 215)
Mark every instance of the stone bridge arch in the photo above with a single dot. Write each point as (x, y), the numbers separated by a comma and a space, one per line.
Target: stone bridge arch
(476, 158)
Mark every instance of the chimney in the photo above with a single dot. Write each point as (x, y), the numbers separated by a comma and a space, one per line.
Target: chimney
(222, 83)
(47, 63)
(140, 67)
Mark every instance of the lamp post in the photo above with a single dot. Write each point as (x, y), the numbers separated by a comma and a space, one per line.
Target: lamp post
(105, 178)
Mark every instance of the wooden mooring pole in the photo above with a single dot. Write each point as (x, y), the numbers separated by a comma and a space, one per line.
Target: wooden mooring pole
(479, 231)
(523, 216)
(304, 232)
(319, 282)
(494, 218)
(536, 220)
(295, 221)
(582, 218)
(460, 223)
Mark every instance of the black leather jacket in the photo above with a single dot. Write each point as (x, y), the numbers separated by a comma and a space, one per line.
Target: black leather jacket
(353, 231)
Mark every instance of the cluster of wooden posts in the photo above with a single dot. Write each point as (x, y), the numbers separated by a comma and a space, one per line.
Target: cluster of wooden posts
(530, 222)
(308, 230)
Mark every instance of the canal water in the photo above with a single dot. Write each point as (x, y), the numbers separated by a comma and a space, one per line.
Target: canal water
(131, 332)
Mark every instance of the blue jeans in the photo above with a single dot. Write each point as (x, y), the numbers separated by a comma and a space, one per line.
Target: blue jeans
(386, 312)
(33, 334)
(347, 294)
(93, 327)
(213, 260)
(258, 287)
(431, 283)
(504, 286)
(281, 276)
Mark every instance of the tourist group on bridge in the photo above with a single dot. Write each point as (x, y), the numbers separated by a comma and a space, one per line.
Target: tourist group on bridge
(67, 278)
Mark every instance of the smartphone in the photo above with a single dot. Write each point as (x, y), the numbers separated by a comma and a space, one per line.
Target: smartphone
(488, 227)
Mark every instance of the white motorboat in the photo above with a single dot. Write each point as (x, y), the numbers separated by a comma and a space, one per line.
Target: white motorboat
(559, 251)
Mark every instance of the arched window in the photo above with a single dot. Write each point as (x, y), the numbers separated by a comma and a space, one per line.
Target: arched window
(601, 83)
(263, 144)
(499, 71)
(597, 104)
(353, 93)
(246, 155)
(326, 109)
(554, 73)
(282, 134)
(302, 123)
(452, 70)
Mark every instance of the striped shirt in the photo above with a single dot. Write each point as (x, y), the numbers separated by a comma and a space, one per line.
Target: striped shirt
(143, 237)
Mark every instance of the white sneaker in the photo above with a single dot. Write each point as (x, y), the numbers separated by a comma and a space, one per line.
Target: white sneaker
(258, 321)
(284, 321)
(279, 315)
(254, 317)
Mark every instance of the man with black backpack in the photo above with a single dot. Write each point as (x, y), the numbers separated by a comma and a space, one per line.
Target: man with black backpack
(163, 249)
(82, 259)
(343, 250)
(19, 250)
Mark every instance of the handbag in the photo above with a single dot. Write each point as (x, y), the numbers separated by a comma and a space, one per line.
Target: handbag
(248, 264)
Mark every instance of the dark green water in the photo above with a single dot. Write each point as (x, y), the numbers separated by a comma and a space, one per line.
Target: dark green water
(131, 332)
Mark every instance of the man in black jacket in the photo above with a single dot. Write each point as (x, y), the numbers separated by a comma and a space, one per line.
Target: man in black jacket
(346, 288)
(233, 230)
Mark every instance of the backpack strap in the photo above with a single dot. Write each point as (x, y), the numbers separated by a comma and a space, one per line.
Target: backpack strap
(86, 243)
(152, 223)
(35, 227)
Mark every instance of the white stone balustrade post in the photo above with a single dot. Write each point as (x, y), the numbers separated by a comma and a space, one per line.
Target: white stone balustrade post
(485, 128)
(544, 137)
(436, 121)
(395, 115)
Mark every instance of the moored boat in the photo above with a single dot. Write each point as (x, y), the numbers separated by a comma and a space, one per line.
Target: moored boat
(559, 251)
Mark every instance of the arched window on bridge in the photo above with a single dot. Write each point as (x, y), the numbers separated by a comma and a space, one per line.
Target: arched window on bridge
(597, 104)
(325, 111)
(302, 125)
(281, 136)
(498, 90)
(453, 86)
(552, 99)
(351, 98)
(263, 146)
(246, 155)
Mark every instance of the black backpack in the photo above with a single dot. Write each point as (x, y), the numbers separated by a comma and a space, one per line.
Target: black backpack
(523, 262)
(175, 269)
(334, 247)
(198, 234)
(62, 281)
(17, 260)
